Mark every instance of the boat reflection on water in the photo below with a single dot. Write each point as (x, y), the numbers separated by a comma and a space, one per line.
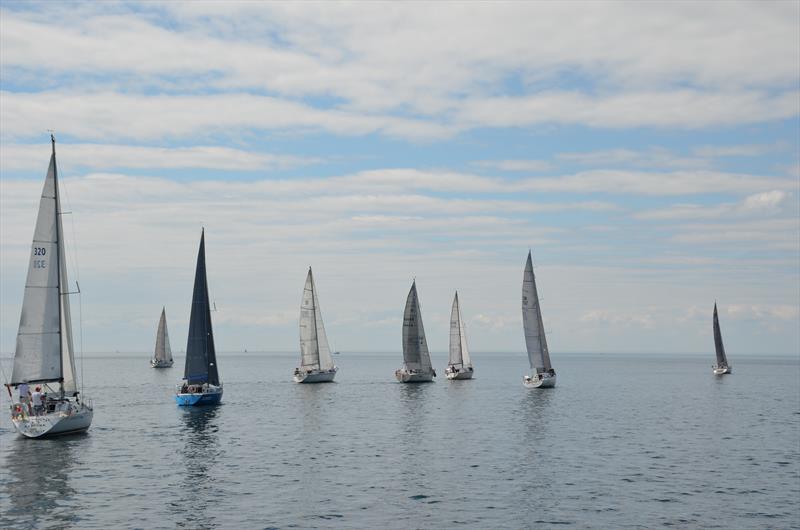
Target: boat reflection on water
(197, 491)
(38, 487)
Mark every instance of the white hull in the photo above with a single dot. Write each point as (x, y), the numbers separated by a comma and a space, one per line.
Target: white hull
(452, 374)
(405, 376)
(722, 370)
(539, 381)
(76, 418)
(160, 364)
(315, 376)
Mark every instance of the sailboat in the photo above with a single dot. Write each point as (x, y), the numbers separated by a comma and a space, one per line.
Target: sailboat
(201, 384)
(459, 366)
(162, 357)
(44, 359)
(542, 373)
(316, 365)
(722, 367)
(416, 358)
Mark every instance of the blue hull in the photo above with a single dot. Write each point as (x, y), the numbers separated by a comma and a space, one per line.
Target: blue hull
(198, 400)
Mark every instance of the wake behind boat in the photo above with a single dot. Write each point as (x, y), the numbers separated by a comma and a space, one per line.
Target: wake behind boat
(542, 373)
(162, 356)
(44, 357)
(201, 384)
(722, 367)
(316, 365)
(459, 365)
(416, 358)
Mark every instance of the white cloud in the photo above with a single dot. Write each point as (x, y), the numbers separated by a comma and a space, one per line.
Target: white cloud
(515, 165)
(763, 204)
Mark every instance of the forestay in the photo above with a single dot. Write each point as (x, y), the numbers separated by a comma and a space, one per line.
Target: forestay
(314, 350)
(535, 340)
(201, 358)
(44, 350)
(459, 354)
(415, 347)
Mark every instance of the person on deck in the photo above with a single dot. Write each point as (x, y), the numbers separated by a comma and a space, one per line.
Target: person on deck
(37, 399)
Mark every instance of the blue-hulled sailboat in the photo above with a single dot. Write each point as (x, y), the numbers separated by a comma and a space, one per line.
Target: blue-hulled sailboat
(201, 384)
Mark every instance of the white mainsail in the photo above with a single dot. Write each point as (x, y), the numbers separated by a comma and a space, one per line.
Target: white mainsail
(314, 350)
(44, 350)
(535, 340)
(415, 347)
(163, 352)
(459, 354)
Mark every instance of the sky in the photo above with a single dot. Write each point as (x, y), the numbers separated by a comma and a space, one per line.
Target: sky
(648, 154)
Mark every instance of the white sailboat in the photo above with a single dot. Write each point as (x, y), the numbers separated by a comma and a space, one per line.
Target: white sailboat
(722, 367)
(459, 365)
(162, 356)
(316, 365)
(542, 373)
(416, 358)
(44, 361)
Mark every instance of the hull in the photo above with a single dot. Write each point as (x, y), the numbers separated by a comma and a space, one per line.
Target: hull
(315, 376)
(540, 381)
(199, 399)
(414, 377)
(722, 370)
(160, 364)
(458, 375)
(75, 419)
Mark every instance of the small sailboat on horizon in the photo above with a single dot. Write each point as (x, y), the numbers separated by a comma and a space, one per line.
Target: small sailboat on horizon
(201, 384)
(44, 354)
(722, 367)
(459, 364)
(542, 373)
(316, 365)
(162, 356)
(416, 357)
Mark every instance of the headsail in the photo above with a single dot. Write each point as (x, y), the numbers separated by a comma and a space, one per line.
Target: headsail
(201, 358)
(722, 360)
(44, 340)
(535, 340)
(314, 350)
(163, 352)
(415, 347)
(459, 354)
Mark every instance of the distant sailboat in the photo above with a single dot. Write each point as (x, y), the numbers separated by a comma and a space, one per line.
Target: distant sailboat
(162, 357)
(722, 367)
(542, 373)
(201, 384)
(416, 358)
(316, 365)
(459, 365)
(44, 355)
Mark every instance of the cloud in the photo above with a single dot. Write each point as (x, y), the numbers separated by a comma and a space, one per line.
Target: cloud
(515, 165)
(106, 156)
(765, 203)
(615, 318)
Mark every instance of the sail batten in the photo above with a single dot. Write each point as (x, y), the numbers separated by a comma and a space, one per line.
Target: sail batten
(201, 358)
(535, 340)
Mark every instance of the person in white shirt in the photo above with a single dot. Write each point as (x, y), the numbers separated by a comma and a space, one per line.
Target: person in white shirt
(37, 399)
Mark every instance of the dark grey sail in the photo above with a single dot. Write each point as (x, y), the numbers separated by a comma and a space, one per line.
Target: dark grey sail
(721, 359)
(201, 358)
(415, 347)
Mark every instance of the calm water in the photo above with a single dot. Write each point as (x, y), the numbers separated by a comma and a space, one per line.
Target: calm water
(622, 442)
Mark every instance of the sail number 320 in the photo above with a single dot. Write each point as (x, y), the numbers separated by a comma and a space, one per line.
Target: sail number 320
(39, 263)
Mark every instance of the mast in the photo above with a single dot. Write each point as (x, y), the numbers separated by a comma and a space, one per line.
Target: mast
(58, 266)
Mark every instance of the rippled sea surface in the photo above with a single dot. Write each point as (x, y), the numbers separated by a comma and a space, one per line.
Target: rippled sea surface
(622, 442)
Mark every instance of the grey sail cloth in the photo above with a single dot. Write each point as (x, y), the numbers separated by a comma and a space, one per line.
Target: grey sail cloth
(415, 347)
(459, 353)
(314, 350)
(535, 339)
(722, 360)
(44, 351)
(163, 352)
(201, 358)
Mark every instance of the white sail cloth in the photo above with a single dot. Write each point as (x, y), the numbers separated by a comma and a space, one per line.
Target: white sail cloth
(459, 353)
(314, 350)
(535, 340)
(44, 340)
(163, 351)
